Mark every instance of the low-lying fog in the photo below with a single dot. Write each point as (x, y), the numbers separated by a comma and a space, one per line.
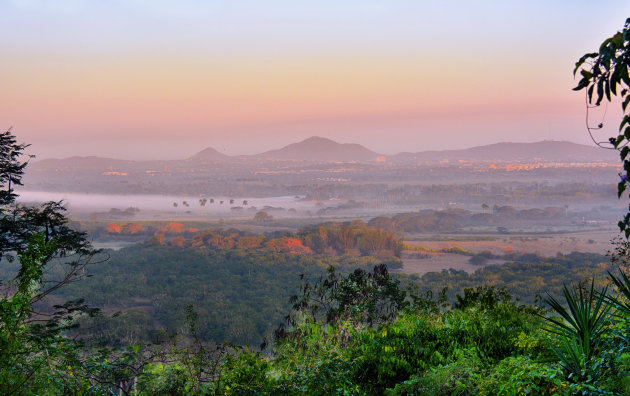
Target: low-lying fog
(86, 203)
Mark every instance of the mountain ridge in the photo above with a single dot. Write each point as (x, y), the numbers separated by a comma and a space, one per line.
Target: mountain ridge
(320, 149)
(546, 150)
(208, 154)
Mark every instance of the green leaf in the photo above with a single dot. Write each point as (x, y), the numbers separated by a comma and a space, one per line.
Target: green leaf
(582, 84)
(618, 141)
(602, 48)
(583, 59)
(614, 80)
(590, 93)
(624, 150)
(600, 91)
(623, 286)
(624, 75)
(625, 102)
(624, 121)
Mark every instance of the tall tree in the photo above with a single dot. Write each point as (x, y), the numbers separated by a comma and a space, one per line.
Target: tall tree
(31, 346)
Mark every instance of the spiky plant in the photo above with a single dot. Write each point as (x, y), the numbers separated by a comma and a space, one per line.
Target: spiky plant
(622, 283)
(580, 327)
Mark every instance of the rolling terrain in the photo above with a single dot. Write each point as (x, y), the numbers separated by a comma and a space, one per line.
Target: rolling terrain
(318, 149)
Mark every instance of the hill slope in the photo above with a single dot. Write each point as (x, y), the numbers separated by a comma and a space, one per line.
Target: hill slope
(321, 149)
(545, 151)
(209, 155)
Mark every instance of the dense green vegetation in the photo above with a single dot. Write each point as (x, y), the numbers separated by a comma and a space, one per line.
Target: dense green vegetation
(526, 276)
(240, 295)
(34, 353)
(362, 334)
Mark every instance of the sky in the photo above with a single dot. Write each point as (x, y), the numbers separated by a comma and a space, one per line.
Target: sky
(156, 79)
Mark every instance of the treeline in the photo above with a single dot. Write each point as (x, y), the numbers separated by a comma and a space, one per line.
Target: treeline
(138, 230)
(336, 239)
(500, 193)
(460, 190)
(355, 238)
(455, 219)
(528, 277)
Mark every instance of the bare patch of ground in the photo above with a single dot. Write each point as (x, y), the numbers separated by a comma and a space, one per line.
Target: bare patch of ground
(543, 244)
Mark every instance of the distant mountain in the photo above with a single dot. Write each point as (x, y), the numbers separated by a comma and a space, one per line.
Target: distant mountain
(545, 151)
(83, 163)
(321, 149)
(209, 155)
(101, 164)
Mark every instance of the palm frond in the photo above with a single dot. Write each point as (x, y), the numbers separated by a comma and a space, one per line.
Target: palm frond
(623, 287)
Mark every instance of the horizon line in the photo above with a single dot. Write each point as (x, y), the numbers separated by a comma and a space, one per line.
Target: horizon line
(302, 141)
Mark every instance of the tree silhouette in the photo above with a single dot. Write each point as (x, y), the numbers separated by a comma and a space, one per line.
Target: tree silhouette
(262, 216)
(605, 74)
(11, 165)
(50, 255)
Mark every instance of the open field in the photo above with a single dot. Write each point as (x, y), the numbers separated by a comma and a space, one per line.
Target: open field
(597, 241)
(545, 245)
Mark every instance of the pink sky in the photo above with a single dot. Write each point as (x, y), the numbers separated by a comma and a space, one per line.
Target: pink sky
(151, 80)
